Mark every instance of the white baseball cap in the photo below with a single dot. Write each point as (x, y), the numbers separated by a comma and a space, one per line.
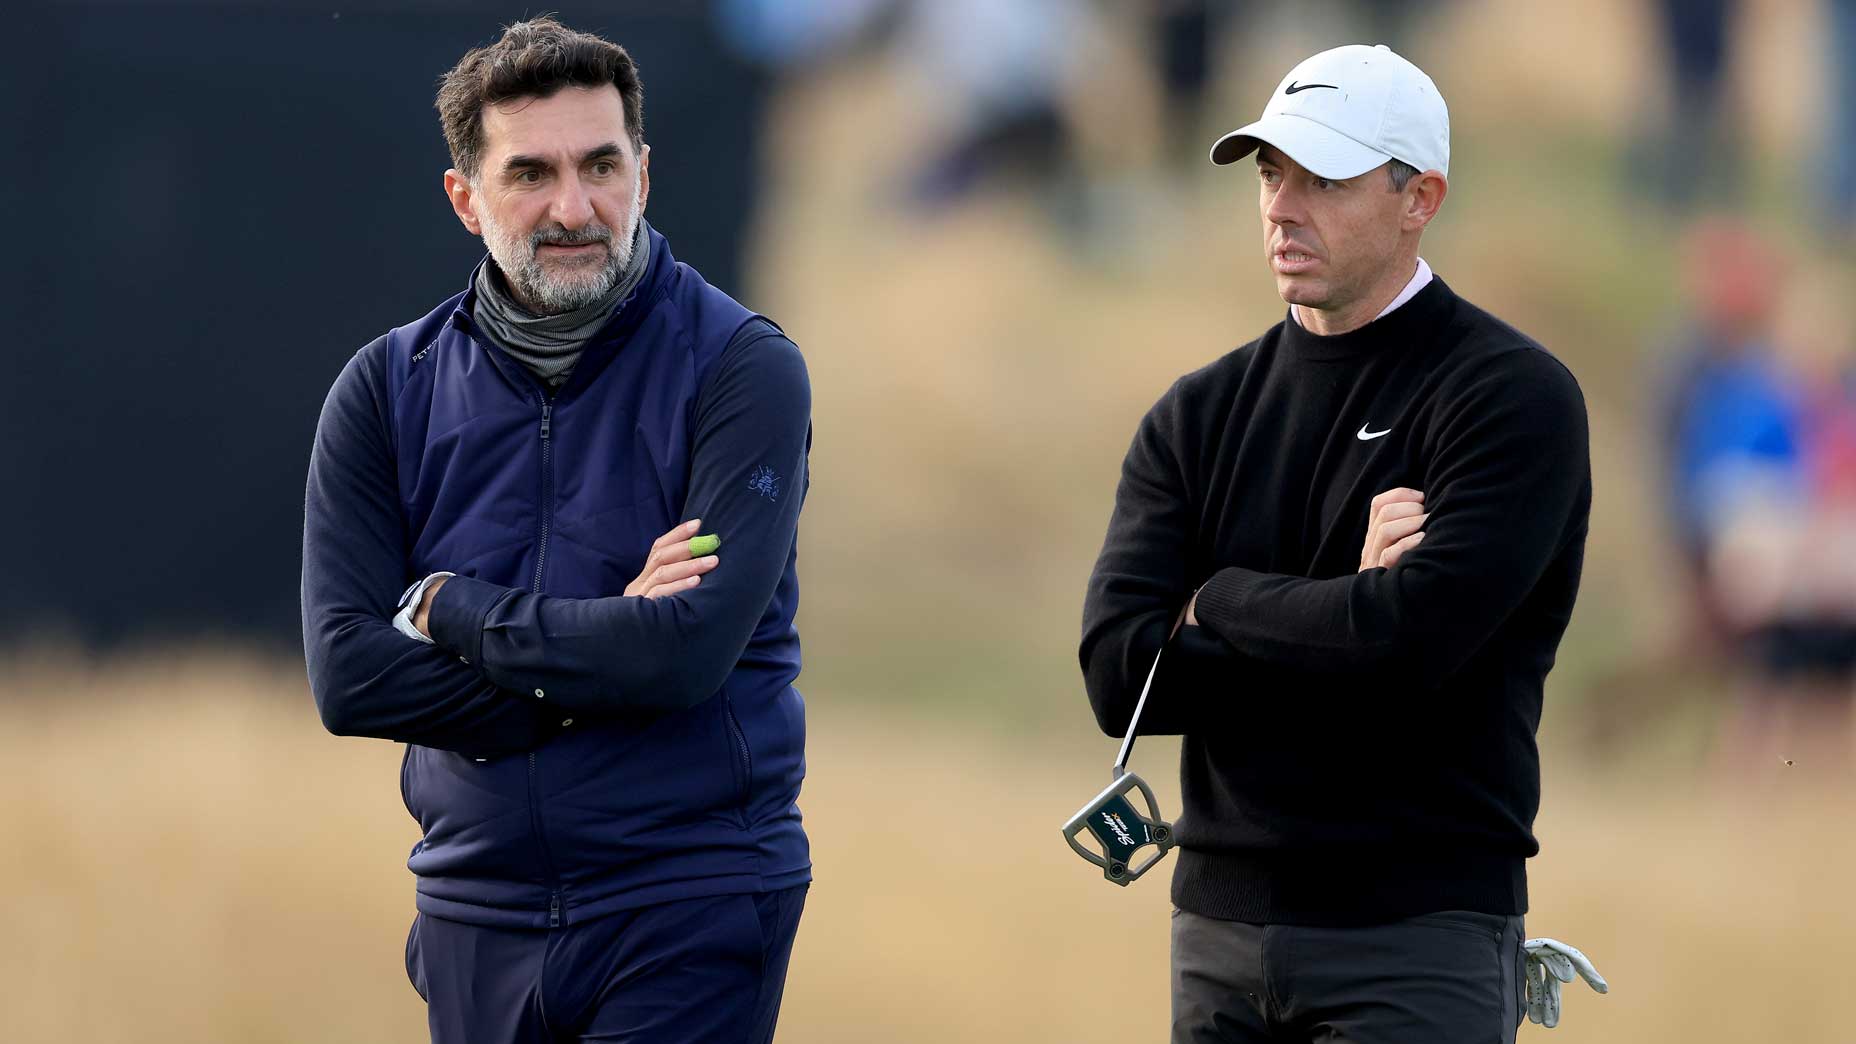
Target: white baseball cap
(1347, 110)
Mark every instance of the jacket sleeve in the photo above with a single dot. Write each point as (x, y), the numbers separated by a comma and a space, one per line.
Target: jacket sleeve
(368, 679)
(750, 438)
(1507, 488)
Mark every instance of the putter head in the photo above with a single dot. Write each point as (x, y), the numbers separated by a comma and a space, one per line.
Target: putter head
(1121, 830)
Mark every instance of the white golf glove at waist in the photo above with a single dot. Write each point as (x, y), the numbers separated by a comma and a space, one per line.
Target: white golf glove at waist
(1549, 963)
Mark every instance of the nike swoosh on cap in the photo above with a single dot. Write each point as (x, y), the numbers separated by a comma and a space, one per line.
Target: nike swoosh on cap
(1292, 88)
(1367, 436)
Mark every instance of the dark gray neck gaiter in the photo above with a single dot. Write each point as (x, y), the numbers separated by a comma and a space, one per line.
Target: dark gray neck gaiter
(550, 345)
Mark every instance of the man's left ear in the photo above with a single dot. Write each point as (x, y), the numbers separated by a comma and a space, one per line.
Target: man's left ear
(1424, 197)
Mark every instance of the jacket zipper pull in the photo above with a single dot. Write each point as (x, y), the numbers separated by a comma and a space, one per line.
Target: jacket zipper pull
(554, 910)
(547, 411)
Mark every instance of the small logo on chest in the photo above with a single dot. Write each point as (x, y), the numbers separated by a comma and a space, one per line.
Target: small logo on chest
(1367, 436)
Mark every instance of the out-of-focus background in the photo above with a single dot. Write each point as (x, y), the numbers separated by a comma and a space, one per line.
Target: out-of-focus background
(991, 226)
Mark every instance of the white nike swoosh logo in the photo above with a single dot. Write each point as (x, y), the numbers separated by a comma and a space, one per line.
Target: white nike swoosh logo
(1363, 435)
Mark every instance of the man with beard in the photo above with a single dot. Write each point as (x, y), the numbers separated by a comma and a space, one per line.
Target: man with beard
(604, 744)
(1358, 539)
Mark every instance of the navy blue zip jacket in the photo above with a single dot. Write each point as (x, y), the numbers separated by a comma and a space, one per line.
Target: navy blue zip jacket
(571, 751)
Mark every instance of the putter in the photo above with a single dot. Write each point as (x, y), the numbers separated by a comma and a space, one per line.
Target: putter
(1113, 819)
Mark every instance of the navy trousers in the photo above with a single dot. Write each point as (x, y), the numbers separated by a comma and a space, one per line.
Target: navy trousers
(698, 970)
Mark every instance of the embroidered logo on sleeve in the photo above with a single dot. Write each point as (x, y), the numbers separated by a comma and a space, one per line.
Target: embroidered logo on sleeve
(765, 481)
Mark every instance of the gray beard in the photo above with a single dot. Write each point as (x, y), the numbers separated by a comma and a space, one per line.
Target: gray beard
(549, 345)
(543, 293)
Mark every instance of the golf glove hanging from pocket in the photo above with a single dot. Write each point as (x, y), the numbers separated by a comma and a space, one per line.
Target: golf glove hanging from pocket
(1549, 963)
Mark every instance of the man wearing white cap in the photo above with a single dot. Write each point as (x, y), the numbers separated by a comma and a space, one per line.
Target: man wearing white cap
(1370, 522)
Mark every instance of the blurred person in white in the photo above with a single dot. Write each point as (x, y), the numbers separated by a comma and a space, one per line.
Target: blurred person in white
(1780, 529)
(993, 77)
(1060, 101)
(1349, 549)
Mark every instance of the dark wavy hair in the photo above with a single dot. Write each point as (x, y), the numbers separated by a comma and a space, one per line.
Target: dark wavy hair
(532, 59)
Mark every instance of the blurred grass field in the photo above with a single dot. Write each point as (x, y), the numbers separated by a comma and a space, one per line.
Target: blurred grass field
(188, 857)
(186, 863)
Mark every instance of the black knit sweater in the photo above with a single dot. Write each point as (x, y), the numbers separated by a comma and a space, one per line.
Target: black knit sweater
(1359, 746)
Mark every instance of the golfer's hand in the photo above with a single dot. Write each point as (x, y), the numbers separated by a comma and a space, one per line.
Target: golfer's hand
(1394, 526)
(1549, 963)
(669, 569)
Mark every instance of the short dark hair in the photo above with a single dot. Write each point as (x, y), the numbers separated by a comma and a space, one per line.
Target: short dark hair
(1400, 174)
(532, 59)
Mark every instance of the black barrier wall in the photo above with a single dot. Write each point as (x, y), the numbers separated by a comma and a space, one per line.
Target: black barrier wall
(213, 207)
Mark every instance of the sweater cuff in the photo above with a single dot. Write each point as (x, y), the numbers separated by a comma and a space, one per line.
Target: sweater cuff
(457, 614)
(1221, 601)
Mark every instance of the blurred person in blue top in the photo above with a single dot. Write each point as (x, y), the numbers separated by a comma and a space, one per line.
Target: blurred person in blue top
(1721, 349)
(501, 570)
(1778, 496)
(1756, 421)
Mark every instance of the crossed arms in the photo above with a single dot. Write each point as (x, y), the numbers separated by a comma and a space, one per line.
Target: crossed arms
(1508, 482)
(473, 691)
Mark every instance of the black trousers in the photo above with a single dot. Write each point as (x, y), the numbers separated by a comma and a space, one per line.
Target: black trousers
(1452, 977)
(701, 970)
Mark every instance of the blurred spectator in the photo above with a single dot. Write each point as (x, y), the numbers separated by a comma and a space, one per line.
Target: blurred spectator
(1840, 132)
(1057, 99)
(1759, 430)
(1186, 36)
(1730, 285)
(1395, 22)
(998, 74)
(788, 34)
(1086, 103)
(1686, 155)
